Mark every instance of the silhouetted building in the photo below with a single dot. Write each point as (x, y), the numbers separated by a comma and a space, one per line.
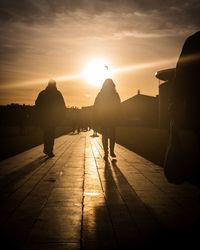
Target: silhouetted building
(16, 115)
(165, 87)
(140, 110)
(86, 117)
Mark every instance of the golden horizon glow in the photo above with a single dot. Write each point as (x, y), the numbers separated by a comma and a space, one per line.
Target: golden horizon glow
(68, 82)
(96, 71)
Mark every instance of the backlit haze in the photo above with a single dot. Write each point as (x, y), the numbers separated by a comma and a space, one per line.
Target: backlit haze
(79, 43)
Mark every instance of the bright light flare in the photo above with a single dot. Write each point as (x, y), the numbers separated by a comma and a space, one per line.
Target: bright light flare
(96, 72)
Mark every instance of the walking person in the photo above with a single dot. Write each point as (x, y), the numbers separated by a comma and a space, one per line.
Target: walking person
(50, 109)
(106, 110)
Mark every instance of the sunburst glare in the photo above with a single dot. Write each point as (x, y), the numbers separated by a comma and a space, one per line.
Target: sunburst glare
(96, 71)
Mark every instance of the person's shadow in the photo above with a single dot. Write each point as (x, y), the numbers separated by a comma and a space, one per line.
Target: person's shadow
(126, 232)
(154, 233)
(7, 185)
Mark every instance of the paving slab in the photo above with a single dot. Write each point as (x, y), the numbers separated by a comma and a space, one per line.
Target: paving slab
(76, 200)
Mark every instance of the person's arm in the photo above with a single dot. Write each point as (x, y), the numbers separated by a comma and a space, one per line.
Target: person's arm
(118, 98)
(61, 105)
(37, 101)
(61, 100)
(37, 111)
(95, 112)
(96, 101)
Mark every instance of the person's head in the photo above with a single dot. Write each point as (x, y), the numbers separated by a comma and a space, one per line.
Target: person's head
(51, 83)
(108, 85)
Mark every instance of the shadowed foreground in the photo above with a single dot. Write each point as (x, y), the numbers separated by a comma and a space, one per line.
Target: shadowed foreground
(77, 201)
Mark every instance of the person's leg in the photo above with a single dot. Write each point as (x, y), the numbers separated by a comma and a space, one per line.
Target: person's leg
(49, 136)
(45, 140)
(51, 139)
(105, 142)
(112, 141)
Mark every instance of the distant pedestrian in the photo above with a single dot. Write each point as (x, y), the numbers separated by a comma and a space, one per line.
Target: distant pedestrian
(106, 111)
(95, 133)
(51, 110)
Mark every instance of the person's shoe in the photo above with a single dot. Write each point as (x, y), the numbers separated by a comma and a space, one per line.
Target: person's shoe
(45, 152)
(51, 154)
(105, 157)
(112, 154)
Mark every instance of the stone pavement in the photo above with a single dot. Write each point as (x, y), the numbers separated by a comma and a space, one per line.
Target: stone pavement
(78, 201)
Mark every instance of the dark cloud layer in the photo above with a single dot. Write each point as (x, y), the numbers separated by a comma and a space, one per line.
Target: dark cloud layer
(142, 16)
(183, 12)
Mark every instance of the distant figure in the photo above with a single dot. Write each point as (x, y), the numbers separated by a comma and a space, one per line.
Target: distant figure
(106, 108)
(50, 108)
(184, 108)
(95, 133)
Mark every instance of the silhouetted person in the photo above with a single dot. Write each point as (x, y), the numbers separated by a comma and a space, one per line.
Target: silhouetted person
(50, 108)
(185, 102)
(186, 86)
(106, 108)
(94, 123)
(95, 133)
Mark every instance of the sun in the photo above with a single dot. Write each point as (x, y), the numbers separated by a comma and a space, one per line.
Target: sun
(96, 71)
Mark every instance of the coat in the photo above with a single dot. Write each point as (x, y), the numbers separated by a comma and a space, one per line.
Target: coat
(50, 107)
(106, 109)
(186, 85)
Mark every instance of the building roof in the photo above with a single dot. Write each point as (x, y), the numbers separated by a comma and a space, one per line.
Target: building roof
(165, 74)
(140, 97)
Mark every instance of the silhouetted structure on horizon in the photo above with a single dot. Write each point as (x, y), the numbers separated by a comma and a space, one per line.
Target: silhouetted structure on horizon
(165, 89)
(17, 117)
(140, 110)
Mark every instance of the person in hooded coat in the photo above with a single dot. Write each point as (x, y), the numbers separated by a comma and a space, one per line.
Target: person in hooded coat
(51, 110)
(106, 113)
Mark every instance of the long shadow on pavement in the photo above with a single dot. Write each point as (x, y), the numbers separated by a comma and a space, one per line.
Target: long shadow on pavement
(7, 185)
(159, 236)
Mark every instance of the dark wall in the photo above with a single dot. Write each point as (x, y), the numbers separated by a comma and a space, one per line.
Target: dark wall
(164, 101)
(140, 111)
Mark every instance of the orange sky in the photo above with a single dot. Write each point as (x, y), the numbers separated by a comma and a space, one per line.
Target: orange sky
(40, 42)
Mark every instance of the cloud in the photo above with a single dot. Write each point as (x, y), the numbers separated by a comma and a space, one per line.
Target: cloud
(132, 18)
(41, 38)
(177, 11)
